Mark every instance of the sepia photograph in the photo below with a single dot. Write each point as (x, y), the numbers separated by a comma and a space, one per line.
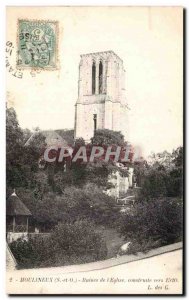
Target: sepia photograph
(94, 150)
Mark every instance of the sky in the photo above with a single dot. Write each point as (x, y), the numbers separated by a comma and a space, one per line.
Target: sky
(148, 40)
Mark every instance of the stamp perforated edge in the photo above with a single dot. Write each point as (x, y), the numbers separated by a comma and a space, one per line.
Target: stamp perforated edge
(57, 62)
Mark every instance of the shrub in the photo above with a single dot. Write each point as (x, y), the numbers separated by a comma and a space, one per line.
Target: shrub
(68, 243)
(23, 252)
(153, 223)
(88, 202)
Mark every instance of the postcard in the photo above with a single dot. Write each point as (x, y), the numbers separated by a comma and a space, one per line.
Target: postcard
(94, 150)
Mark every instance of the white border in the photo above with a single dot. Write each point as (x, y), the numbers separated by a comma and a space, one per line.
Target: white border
(3, 5)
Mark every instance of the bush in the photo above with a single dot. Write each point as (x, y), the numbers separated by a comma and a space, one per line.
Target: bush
(77, 243)
(153, 223)
(88, 202)
(32, 253)
(69, 243)
(162, 175)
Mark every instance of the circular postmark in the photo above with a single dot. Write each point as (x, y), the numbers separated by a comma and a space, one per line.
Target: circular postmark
(9, 51)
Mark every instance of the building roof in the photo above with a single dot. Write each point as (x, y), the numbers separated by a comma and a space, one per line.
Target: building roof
(15, 207)
(52, 138)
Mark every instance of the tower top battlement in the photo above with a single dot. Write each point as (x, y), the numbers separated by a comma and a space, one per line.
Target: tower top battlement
(104, 54)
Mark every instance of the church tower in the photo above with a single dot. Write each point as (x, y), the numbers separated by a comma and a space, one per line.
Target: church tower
(101, 102)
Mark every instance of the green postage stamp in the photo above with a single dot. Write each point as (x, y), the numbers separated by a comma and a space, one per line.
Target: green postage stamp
(37, 44)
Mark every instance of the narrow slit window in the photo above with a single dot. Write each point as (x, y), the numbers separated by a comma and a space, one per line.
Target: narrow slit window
(95, 121)
(100, 78)
(93, 78)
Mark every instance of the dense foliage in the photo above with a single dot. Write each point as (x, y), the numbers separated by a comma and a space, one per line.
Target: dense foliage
(107, 137)
(162, 175)
(153, 223)
(21, 160)
(156, 218)
(69, 243)
(54, 196)
(78, 192)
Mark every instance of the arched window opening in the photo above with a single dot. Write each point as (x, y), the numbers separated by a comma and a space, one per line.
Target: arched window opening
(93, 78)
(100, 78)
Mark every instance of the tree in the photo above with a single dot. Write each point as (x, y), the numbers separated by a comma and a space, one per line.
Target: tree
(107, 137)
(14, 141)
(87, 202)
(162, 175)
(79, 142)
(21, 159)
(156, 217)
(54, 195)
(175, 184)
(153, 223)
(97, 172)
